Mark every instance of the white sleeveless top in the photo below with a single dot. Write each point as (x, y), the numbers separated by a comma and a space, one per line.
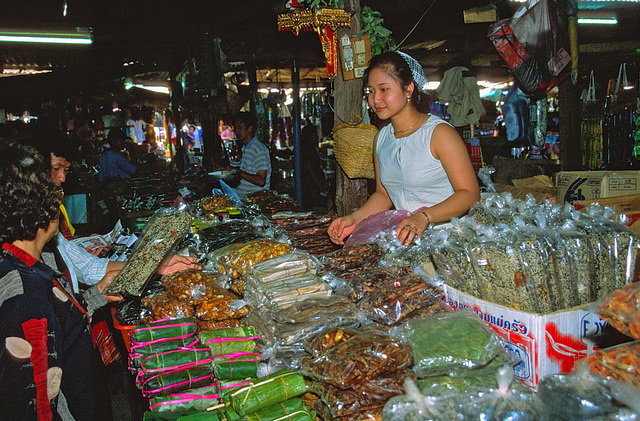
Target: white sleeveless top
(412, 176)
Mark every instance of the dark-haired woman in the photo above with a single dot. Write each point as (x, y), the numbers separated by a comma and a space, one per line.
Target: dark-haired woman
(421, 163)
(47, 359)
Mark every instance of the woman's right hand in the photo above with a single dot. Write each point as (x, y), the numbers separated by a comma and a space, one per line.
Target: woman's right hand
(341, 228)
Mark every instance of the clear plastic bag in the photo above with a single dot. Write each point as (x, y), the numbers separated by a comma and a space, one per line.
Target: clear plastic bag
(368, 355)
(621, 362)
(576, 397)
(503, 403)
(369, 228)
(621, 309)
(449, 343)
(164, 229)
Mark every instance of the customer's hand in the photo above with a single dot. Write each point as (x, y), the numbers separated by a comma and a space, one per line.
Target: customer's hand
(341, 228)
(104, 283)
(176, 263)
(411, 227)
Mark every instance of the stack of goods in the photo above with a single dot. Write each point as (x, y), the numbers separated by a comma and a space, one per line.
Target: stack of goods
(537, 259)
(235, 259)
(268, 202)
(307, 231)
(384, 294)
(192, 293)
(289, 302)
(161, 234)
(454, 349)
(355, 371)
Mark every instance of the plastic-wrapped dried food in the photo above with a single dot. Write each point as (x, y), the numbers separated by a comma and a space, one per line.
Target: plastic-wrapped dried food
(238, 260)
(369, 354)
(177, 381)
(621, 362)
(501, 272)
(483, 214)
(389, 303)
(450, 255)
(213, 203)
(535, 256)
(621, 309)
(437, 405)
(449, 342)
(198, 399)
(221, 305)
(214, 237)
(574, 397)
(563, 266)
(292, 333)
(163, 306)
(257, 197)
(190, 286)
(480, 376)
(295, 289)
(363, 281)
(502, 403)
(358, 398)
(162, 232)
(368, 414)
(349, 258)
(325, 340)
(289, 264)
(315, 309)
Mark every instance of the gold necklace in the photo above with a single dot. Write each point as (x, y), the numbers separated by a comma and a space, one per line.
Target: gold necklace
(409, 128)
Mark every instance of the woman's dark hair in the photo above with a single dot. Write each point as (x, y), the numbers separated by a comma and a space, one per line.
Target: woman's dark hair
(28, 198)
(394, 65)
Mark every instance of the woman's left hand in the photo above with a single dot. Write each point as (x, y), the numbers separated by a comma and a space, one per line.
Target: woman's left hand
(411, 227)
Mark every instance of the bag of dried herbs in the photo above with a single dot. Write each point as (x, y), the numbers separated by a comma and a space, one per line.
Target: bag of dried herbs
(450, 342)
(450, 255)
(500, 270)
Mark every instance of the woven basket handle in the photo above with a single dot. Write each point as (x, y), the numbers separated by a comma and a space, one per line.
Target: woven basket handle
(354, 120)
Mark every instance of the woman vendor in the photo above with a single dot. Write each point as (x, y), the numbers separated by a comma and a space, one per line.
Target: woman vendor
(421, 163)
(47, 358)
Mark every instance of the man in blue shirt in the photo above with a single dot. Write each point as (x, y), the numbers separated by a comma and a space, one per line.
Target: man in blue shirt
(255, 167)
(112, 163)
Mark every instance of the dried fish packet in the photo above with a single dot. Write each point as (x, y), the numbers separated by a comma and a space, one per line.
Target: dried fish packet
(316, 309)
(289, 264)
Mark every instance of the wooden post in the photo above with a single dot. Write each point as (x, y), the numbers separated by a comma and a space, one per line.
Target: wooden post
(569, 138)
(350, 193)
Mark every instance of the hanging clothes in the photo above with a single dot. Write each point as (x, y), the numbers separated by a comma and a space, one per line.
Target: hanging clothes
(463, 95)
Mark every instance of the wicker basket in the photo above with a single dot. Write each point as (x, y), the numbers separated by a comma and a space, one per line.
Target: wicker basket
(353, 148)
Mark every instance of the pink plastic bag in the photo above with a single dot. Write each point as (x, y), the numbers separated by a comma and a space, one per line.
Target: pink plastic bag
(370, 227)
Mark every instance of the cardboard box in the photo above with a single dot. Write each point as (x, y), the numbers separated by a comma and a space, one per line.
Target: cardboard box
(627, 206)
(547, 344)
(586, 185)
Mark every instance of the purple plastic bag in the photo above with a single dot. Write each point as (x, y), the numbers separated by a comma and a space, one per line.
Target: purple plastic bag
(370, 227)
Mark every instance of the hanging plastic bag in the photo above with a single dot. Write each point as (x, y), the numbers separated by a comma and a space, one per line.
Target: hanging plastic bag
(534, 43)
(516, 115)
